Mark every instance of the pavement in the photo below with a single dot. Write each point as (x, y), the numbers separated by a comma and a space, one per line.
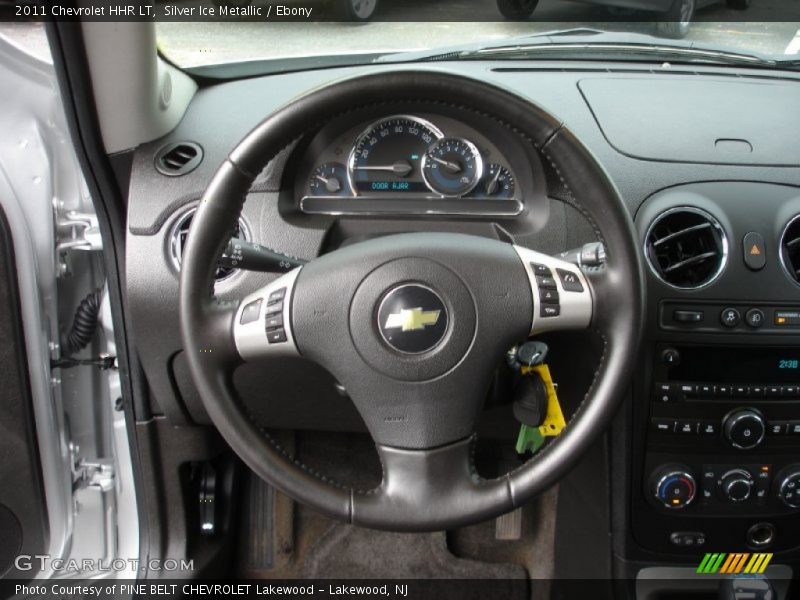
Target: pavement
(198, 43)
(192, 44)
(442, 22)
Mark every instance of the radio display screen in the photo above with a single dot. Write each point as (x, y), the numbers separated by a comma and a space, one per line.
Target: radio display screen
(737, 365)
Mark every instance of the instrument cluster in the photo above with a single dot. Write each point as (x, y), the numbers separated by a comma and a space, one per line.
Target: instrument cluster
(409, 164)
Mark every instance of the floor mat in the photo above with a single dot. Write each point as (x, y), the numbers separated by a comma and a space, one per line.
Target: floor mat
(346, 552)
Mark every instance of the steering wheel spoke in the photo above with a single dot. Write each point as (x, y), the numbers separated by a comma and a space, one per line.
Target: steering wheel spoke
(262, 326)
(562, 294)
(427, 489)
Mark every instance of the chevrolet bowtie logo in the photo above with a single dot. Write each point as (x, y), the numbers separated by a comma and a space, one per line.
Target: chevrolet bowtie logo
(412, 319)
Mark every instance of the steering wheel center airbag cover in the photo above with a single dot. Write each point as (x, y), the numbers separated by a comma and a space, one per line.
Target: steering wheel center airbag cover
(437, 311)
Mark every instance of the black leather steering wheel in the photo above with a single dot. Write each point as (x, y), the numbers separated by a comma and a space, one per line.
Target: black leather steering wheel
(412, 325)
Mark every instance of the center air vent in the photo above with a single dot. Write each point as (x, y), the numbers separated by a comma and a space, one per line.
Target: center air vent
(179, 158)
(686, 247)
(180, 233)
(790, 248)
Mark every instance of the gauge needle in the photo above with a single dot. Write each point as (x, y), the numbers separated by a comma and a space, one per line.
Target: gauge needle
(491, 187)
(401, 168)
(448, 164)
(331, 183)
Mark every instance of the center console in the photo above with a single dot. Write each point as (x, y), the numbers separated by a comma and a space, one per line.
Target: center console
(723, 439)
(715, 444)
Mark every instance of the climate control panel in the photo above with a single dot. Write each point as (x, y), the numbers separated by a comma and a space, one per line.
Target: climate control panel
(745, 488)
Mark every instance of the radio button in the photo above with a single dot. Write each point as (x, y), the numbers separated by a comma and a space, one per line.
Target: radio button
(708, 428)
(745, 428)
(740, 390)
(773, 390)
(666, 392)
(705, 390)
(789, 390)
(687, 427)
(688, 389)
(663, 425)
(757, 390)
(793, 428)
(777, 427)
(722, 390)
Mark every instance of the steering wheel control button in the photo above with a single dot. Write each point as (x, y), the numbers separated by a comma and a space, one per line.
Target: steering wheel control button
(744, 428)
(755, 255)
(546, 282)
(549, 310)
(674, 487)
(274, 321)
(276, 296)
(541, 270)
(251, 312)
(412, 319)
(276, 336)
(548, 296)
(275, 307)
(569, 281)
(754, 317)
(730, 317)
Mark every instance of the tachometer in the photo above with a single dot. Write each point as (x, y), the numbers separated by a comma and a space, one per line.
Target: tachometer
(452, 167)
(387, 156)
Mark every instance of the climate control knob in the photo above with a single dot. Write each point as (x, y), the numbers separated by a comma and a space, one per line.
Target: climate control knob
(736, 485)
(673, 486)
(789, 489)
(744, 428)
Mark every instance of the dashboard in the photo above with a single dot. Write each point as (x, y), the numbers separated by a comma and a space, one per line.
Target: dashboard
(718, 369)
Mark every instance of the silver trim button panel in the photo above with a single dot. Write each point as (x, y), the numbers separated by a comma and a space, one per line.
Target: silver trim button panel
(562, 297)
(262, 326)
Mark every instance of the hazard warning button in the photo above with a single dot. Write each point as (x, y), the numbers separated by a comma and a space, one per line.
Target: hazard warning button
(755, 255)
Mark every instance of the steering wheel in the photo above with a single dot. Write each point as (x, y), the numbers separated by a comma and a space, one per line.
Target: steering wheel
(412, 325)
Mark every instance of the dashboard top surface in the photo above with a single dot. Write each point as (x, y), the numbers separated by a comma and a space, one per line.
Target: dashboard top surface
(221, 115)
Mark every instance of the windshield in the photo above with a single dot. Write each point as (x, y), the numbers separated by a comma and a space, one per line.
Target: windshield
(356, 31)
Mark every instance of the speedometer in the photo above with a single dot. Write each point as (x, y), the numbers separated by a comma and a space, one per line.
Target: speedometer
(387, 156)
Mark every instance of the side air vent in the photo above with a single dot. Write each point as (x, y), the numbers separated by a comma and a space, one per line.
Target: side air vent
(790, 248)
(686, 247)
(179, 158)
(180, 233)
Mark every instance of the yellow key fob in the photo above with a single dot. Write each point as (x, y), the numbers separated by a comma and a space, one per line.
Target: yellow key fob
(554, 421)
